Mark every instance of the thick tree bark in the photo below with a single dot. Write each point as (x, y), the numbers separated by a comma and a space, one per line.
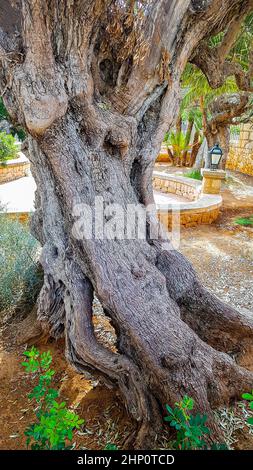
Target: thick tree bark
(221, 136)
(224, 110)
(96, 86)
(201, 155)
(187, 141)
(196, 144)
(178, 124)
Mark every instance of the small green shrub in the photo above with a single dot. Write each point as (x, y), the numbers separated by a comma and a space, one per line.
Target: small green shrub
(249, 398)
(8, 147)
(178, 142)
(14, 130)
(245, 221)
(21, 276)
(3, 111)
(110, 446)
(195, 174)
(19, 131)
(190, 429)
(55, 424)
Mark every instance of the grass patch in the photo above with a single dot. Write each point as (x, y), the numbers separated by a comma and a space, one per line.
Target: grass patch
(195, 174)
(245, 221)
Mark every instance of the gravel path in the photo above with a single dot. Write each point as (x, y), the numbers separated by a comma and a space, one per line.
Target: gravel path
(224, 262)
(222, 253)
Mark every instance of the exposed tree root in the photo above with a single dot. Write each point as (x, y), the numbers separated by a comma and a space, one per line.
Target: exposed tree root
(30, 330)
(160, 358)
(96, 112)
(215, 322)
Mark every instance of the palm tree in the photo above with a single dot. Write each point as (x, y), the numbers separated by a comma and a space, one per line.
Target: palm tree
(194, 134)
(219, 108)
(178, 145)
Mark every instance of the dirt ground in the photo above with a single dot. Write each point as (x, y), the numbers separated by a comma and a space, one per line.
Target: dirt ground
(222, 254)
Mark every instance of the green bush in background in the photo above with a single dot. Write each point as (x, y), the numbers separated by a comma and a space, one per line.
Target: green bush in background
(14, 130)
(20, 272)
(195, 174)
(3, 112)
(8, 147)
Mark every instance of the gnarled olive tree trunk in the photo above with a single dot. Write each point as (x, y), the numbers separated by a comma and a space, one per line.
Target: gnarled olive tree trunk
(96, 83)
(224, 109)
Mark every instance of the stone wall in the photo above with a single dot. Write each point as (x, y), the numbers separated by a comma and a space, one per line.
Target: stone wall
(178, 185)
(201, 208)
(22, 217)
(191, 218)
(240, 156)
(11, 170)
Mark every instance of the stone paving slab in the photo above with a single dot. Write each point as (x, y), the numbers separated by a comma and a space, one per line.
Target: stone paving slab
(18, 196)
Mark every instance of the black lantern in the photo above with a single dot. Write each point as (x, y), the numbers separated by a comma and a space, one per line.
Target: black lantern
(215, 156)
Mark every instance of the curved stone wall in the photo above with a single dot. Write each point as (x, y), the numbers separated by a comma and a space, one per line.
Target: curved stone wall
(182, 186)
(201, 208)
(197, 208)
(22, 217)
(14, 169)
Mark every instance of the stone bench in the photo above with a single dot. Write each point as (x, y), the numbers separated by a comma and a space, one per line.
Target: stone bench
(201, 208)
(11, 170)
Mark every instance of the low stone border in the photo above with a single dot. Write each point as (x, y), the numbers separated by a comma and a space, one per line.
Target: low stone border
(201, 208)
(186, 187)
(11, 170)
(22, 217)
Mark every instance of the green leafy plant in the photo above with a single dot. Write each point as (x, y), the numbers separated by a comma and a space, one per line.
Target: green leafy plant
(55, 423)
(110, 446)
(21, 276)
(3, 111)
(14, 130)
(195, 174)
(245, 221)
(178, 142)
(249, 398)
(8, 147)
(190, 429)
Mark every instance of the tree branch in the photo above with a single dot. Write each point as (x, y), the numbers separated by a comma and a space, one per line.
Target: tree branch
(10, 27)
(213, 63)
(226, 107)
